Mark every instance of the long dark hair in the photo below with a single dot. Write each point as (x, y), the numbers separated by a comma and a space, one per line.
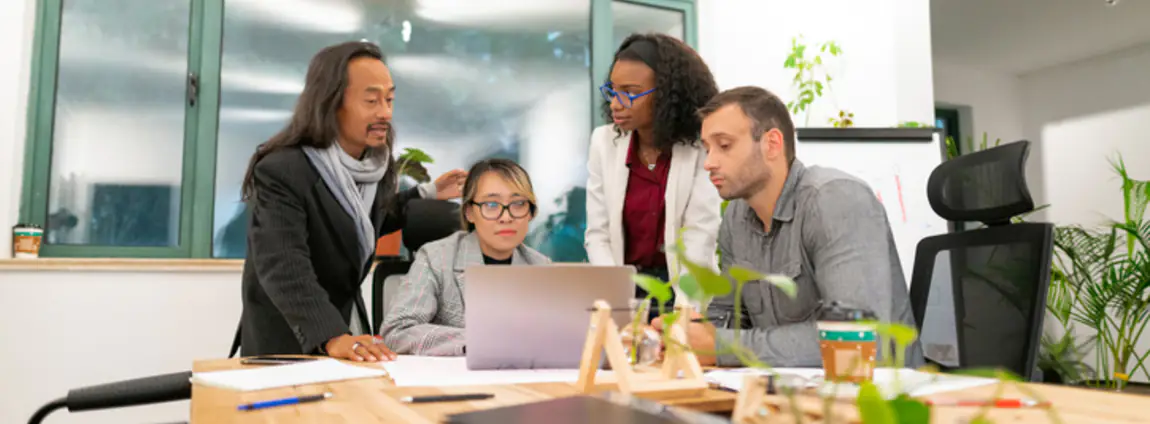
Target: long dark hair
(683, 84)
(315, 121)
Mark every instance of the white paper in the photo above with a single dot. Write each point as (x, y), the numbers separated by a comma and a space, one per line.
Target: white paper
(409, 371)
(272, 376)
(914, 383)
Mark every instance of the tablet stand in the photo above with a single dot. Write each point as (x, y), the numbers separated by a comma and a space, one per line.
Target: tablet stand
(603, 335)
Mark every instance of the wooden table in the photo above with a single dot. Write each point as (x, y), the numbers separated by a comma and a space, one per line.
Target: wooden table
(376, 400)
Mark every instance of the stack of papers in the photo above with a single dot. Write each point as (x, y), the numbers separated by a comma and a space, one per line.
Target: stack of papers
(270, 377)
(413, 371)
(890, 381)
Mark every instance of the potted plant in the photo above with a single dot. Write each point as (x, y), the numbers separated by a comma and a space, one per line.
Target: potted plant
(1102, 278)
(410, 164)
(811, 78)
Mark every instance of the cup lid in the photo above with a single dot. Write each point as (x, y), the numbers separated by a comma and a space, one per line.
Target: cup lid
(840, 312)
(25, 225)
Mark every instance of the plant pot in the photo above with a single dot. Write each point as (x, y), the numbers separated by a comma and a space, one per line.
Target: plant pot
(389, 244)
(1130, 387)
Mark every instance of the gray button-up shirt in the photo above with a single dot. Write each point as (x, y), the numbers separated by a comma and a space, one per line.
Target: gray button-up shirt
(831, 235)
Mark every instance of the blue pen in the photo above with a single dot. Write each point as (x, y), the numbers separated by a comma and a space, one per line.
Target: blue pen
(284, 401)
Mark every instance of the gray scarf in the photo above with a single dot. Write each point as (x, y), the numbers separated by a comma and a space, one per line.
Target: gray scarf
(353, 183)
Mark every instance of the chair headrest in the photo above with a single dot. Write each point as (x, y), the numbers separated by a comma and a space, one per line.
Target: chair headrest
(988, 186)
(429, 220)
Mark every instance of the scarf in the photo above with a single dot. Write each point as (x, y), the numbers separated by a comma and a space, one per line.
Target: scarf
(354, 184)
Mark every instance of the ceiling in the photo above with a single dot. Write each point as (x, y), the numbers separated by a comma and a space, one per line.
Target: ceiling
(1021, 36)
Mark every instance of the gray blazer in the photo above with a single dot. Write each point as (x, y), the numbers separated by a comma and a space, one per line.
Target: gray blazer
(426, 317)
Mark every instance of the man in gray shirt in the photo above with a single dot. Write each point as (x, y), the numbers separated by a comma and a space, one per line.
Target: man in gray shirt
(819, 226)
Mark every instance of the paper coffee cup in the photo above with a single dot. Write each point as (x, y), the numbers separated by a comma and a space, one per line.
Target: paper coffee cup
(848, 350)
(848, 343)
(26, 241)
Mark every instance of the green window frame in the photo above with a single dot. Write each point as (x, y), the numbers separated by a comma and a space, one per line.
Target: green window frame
(197, 197)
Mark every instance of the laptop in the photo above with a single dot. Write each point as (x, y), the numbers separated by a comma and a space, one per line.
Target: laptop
(537, 317)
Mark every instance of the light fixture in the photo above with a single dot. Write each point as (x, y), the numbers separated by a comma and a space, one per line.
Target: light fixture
(406, 30)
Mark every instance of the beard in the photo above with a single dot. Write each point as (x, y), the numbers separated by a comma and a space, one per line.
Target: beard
(751, 178)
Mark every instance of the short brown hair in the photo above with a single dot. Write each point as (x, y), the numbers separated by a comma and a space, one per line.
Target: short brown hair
(508, 170)
(765, 110)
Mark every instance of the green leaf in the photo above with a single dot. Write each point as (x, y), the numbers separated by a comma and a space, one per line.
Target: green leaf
(981, 420)
(987, 373)
(828, 78)
(903, 335)
(656, 287)
(873, 409)
(690, 287)
(910, 411)
(790, 63)
(785, 284)
(415, 155)
(743, 275)
(818, 60)
(712, 283)
(819, 88)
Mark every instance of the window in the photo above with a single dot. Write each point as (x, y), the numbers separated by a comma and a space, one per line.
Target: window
(145, 113)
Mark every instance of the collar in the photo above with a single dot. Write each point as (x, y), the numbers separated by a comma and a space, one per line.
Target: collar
(785, 205)
(468, 253)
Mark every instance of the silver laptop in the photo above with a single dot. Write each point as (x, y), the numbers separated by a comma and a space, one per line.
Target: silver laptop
(536, 317)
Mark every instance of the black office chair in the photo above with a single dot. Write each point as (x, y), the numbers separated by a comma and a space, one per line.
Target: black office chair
(980, 294)
(427, 221)
(136, 392)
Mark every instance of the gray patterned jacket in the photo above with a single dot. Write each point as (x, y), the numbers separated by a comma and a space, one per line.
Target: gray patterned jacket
(426, 317)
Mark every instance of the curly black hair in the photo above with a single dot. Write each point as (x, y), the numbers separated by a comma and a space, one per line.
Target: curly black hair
(683, 85)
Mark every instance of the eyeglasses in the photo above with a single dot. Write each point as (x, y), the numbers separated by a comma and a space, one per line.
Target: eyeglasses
(494, 210)
(625, 99)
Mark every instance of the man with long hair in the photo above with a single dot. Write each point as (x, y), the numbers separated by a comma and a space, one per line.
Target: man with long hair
(321, 192)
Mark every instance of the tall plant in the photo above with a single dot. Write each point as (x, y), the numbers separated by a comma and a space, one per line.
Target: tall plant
(811, 78)
(1103, 277)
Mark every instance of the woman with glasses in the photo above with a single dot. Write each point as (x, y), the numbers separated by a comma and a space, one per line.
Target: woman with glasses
(427, 315)
(646, 179)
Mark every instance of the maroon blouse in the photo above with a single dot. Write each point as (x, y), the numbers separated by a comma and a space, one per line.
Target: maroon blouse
(643, 210)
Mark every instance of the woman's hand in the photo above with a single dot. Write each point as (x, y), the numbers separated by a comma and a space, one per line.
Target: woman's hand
(358, 348)
(450, 184)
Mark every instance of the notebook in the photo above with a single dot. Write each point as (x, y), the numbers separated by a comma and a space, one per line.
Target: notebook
(270, 377)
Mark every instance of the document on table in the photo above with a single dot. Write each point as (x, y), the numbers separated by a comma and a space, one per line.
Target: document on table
(411, 371)
(268, 377)
(889, 381)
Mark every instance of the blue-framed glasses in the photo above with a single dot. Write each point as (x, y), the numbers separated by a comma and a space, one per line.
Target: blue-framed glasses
(625, 99)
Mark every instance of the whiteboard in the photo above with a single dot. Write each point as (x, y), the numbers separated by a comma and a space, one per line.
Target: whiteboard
(895, 163)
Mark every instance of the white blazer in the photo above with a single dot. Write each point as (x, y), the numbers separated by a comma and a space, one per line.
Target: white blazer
(691, 201)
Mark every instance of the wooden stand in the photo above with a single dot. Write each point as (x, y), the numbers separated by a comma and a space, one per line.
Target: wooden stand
(603, 334)
(755, 406)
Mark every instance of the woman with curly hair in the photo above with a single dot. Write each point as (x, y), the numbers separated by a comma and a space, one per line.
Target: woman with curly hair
(646, 177)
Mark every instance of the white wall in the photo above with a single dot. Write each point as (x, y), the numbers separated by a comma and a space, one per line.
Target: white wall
(16, 26)
(68, 329)
(1085, 113)
(883, 75)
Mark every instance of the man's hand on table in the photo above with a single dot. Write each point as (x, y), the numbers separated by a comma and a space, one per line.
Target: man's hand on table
(700, 337)
(358, 348)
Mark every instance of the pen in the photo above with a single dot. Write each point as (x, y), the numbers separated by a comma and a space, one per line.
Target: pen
(996, 403)
(447, 398)
(285, 401)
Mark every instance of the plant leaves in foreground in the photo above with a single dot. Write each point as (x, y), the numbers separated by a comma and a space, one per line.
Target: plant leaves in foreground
(910, 411)
(873, 409)
(657, 288)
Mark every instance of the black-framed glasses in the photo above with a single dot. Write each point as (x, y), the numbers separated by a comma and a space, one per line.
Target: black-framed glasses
(491, 211)
(625, 99)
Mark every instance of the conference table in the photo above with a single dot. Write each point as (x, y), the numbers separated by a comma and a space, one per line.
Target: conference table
(376, 400)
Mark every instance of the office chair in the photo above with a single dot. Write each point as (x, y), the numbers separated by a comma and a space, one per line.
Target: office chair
(427, 221)
(136, 392)
(979, 296)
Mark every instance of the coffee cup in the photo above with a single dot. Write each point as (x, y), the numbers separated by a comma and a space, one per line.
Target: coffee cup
(848, 343)
(26, 241)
